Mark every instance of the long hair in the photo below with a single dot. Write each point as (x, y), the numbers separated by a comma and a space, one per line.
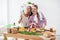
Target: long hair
(30, 11)
(38, 16)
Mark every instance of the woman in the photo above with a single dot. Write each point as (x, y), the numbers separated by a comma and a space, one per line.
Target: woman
(24, 18)
(34, 20)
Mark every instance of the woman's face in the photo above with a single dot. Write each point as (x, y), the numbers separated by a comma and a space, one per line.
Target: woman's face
(34, 10)
(27, 10)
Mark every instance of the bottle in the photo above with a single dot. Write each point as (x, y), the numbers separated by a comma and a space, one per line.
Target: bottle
(51, 29)
(14, 23)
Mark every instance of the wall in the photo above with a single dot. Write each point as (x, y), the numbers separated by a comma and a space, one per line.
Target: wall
(3, 12)
(0, 14)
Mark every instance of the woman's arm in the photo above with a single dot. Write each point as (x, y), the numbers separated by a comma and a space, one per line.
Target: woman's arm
(20, 19)
(44, 19)
(29, 21)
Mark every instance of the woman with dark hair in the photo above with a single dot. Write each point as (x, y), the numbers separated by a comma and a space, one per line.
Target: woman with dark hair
(34, 20)
(24, 17)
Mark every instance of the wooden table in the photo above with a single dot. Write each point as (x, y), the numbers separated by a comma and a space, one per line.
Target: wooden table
(25, 37)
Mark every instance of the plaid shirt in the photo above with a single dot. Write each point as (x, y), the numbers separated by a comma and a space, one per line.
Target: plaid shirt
(39, 23)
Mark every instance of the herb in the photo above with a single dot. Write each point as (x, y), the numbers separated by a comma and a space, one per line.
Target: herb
(29, 33)
(29, 3)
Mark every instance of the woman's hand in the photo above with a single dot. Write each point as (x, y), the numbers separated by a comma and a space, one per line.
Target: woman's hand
(33, 23)
(20, 19)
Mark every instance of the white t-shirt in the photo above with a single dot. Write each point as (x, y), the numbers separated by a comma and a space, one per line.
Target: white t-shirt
(36, 19)
(24, 21)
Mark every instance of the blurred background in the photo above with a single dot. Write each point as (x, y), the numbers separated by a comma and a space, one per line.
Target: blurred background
(10, 11)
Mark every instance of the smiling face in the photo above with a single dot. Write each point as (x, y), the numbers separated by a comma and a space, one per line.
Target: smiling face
(34, 10)
(28, 10)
